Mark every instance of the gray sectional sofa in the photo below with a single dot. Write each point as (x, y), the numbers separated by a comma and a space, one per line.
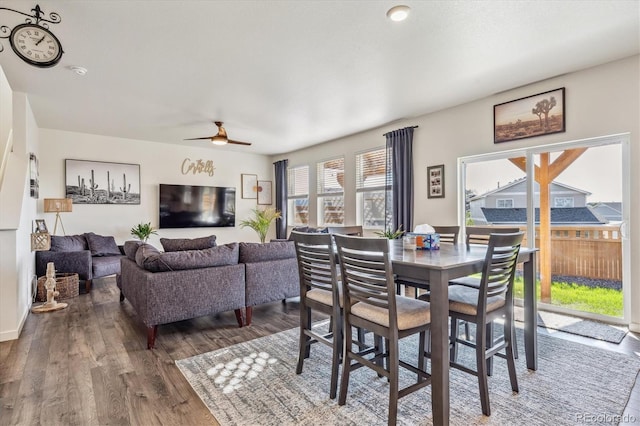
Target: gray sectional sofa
(89, 255)
(165, 287)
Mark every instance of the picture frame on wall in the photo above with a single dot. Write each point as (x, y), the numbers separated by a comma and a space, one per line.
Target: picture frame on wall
(435, 181)
(249, 186)
(101, 182)
(41, 226)
(535, 115)
(265, 188)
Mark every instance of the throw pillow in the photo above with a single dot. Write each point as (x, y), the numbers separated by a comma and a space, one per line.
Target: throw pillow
(256, 252)
(191, 259)
(101, 246)
(181, 244)
(68, 243)
(144, 251)
(131, 247)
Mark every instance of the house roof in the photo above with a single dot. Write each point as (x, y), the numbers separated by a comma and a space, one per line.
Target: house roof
(288, 74)
(611, 211)
(564, 215)
(522, 180)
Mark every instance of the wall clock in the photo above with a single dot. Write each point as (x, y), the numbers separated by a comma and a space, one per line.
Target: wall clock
(36, 45)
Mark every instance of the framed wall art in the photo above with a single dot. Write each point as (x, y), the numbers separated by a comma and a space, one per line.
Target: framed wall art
(264, 192)
(34, 176)
(435, 181)
(535, 115)
(249, 186)
(99, 182)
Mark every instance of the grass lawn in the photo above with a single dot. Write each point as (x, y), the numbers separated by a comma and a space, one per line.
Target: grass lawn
(579, 297)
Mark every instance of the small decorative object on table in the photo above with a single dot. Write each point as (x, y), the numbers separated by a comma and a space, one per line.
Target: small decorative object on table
(40, 238)
(50, 285)
(427, 241)
(143, 231)
(390, 234)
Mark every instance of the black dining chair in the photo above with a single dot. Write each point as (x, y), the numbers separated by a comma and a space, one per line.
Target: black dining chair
(492, 300)
(370, 302)
(346, 230)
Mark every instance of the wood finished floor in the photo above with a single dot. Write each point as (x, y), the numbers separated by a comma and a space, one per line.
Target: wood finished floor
(88, 364)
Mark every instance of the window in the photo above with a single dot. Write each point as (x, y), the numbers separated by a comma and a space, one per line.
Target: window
(504, 203)
(331, 192)
(562, 201)
(371, 189)
(298, 195)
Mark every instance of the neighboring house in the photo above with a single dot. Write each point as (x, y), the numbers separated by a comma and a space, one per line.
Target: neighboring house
(512, 200)
(610, 211)
(559, 216)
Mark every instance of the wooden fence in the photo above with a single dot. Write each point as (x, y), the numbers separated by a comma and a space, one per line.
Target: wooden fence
(586, 251)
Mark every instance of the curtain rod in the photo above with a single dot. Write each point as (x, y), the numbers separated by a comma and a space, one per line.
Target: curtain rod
(408, 127)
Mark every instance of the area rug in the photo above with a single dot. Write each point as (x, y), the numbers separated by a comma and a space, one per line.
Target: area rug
(254, 383)
(579, 326)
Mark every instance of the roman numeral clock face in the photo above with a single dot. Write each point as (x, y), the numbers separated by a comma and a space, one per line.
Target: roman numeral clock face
(36, 45)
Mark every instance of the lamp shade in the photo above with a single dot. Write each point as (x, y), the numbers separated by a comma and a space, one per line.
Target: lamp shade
(58, 205)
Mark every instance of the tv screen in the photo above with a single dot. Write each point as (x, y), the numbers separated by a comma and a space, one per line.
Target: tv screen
(189, 206)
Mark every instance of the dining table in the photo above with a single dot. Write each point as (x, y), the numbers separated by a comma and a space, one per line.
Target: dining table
(438, 267)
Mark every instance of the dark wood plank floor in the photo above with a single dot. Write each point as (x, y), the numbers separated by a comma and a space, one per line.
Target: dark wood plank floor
(88, 364)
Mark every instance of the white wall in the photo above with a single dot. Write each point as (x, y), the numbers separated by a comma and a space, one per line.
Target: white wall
(159, 163)
(17, 213)
(600, 101)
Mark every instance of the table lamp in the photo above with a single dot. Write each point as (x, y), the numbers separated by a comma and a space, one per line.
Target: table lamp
(57, 206)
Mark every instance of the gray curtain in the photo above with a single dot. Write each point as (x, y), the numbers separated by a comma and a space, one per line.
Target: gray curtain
(281, 197)
(400, 162)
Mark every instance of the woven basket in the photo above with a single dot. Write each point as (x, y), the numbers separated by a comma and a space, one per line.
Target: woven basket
(66, 283)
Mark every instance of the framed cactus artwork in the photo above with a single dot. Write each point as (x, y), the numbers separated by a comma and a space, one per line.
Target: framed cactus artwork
(99, 182)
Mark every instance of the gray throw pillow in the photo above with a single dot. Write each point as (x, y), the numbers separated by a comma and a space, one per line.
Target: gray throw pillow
(101, 245)
(181, 244)
(131, 247)
(68, 243)
(256, 252)
(191, 259)
(144, 251)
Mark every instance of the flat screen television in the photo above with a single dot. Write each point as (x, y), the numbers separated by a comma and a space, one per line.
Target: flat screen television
(190, 206)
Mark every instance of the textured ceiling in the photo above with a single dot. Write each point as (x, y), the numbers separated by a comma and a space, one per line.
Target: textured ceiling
(288, 74)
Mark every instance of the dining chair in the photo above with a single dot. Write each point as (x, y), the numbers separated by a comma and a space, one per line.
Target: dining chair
(319, 291)
(346, 230)
(448, 235)
(480, 235)
(491, 301)
(370, 302)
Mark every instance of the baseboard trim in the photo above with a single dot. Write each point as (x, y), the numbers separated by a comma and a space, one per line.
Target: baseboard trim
(635, 327)
(5, 336)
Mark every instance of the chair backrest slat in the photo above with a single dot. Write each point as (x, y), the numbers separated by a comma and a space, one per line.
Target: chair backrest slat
(448, 234)
(481, 234)
(346, 230)
(500, 265)
(316, 263)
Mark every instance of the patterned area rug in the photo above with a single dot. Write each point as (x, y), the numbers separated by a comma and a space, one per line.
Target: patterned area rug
(579, 326)
(254, 383)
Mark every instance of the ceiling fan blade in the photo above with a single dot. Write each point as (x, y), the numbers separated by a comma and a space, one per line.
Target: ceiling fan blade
(238, 142)
(199, 139)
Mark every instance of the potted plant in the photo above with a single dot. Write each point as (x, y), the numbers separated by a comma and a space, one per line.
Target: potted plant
(390, 233)
(261, 221)
(143, 231)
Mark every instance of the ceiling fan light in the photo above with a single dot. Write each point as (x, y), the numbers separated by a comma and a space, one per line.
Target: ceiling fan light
(219, 140)
(398, 13)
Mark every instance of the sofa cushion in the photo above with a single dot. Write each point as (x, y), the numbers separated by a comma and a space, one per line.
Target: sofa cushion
(102, 245)
(68, 243)
(190, 259)
(131, 247)
(105, 265)
(145, 250)
(256, 252)
(181, 244)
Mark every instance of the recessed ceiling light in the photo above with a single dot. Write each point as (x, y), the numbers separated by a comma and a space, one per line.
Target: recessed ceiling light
(79, 70)
(398, 13)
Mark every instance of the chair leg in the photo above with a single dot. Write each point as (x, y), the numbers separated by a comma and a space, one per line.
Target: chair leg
(335, 361)
(511, 364)
(483, 384)
(453, 348)
(378, 349)
(394, 367)
(490, 341)
(514, 340)
(303, 345)
(346, 363)
(466, 330)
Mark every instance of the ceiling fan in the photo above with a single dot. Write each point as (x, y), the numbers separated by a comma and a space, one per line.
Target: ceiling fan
(220, 138)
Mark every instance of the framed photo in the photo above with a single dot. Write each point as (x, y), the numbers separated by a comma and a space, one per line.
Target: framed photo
(435, 181)
(41, 226)
(99, 182)
(535, 115)
(34, 176)
(250, 186)
(264, 192)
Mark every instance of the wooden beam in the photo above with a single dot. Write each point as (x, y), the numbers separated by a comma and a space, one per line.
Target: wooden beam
(565, 159)
(545, 228)
(521, 163)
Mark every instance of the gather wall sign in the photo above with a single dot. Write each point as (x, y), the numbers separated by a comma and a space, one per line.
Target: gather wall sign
(197, 166)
